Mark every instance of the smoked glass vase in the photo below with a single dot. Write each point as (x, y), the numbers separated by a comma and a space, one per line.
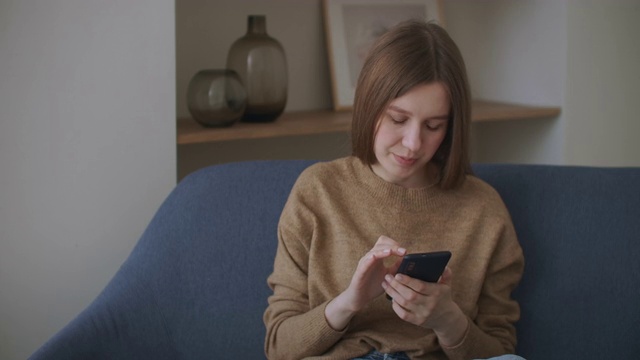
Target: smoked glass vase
(216, 97)
(261, 64)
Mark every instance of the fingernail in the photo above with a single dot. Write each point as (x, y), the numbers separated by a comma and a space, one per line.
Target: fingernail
(399, 277)
(389, 278)
(402, 250)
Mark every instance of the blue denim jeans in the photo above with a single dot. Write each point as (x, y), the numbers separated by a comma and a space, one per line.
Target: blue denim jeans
(374, 355)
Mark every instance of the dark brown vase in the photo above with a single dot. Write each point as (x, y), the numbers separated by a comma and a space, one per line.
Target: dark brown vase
(261, 64)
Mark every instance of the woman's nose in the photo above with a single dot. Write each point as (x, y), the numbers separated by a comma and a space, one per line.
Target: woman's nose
(411, 138)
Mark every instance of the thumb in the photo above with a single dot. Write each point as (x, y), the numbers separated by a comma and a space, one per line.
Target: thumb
(446, 277)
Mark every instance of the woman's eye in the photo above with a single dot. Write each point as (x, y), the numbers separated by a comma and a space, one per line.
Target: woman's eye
(434, 127)
(397, 120)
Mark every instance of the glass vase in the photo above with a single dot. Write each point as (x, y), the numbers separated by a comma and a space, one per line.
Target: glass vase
(216, 97)
(261, 64)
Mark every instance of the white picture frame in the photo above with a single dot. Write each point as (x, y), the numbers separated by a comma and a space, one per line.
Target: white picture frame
(350, 28)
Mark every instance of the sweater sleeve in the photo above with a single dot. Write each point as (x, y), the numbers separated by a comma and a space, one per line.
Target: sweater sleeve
(492, 331)
(294, 328)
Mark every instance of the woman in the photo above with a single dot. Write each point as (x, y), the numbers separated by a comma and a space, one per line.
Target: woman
(407, 188)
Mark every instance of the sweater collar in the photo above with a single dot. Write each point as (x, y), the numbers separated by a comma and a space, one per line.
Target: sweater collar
(392, 195)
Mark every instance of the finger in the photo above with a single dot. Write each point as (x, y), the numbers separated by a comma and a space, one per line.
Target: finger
(403, 313)
(389, 291)
(387, 242)
(398, 291)
(381, 253)
(446, 277)
(413, 285)
(394, 291)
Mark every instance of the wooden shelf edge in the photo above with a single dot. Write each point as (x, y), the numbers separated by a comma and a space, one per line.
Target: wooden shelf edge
(483, 110)
(288, 124)
(329, 121)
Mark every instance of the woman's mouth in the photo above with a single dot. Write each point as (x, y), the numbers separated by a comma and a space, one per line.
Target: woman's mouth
(404, 161)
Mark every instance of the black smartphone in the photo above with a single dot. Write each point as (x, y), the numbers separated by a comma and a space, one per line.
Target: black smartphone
(425, 266)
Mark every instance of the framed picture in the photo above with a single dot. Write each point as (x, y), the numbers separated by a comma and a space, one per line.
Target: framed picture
(351, 27)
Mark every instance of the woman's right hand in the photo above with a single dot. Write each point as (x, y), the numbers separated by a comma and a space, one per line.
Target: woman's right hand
(366, 283)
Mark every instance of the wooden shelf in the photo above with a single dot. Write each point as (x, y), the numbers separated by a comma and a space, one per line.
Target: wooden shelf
(328, 121)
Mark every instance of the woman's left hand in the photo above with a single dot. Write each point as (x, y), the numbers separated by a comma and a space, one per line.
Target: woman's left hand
(428, 304)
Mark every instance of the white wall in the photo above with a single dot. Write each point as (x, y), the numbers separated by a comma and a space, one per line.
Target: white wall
(581, 55)
(603, 72)
(515, 51)
(87, 151)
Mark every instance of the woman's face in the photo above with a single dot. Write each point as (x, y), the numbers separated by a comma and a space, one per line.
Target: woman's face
(409, 133)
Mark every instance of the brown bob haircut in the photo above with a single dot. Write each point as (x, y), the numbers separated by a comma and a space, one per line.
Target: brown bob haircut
(409, 54)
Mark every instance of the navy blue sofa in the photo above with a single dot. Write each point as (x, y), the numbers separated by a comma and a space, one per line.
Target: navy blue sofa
(194, 286)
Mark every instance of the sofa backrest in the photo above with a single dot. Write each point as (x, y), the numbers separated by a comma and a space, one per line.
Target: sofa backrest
(579, 228)
(195, 287)
(580, 232)
(219, 228)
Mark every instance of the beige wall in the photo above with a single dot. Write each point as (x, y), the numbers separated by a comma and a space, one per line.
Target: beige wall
(515, 51)
(87, 152)
(603, 74)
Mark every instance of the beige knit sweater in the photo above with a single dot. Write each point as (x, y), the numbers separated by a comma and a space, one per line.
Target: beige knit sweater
(334, 215)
